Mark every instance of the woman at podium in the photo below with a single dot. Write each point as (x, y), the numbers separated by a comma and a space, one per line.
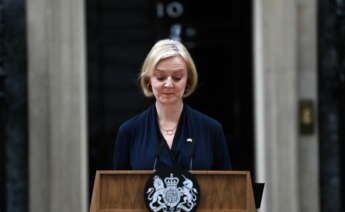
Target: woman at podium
(169, 132)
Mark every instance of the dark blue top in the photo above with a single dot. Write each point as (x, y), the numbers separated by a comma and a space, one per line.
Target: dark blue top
(141, 146)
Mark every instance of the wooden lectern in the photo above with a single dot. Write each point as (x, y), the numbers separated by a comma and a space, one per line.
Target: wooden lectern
(123, 191)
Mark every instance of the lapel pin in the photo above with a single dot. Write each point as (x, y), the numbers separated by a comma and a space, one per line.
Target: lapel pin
(189, 140)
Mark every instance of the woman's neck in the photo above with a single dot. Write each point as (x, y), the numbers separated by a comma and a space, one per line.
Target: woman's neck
(168, 114)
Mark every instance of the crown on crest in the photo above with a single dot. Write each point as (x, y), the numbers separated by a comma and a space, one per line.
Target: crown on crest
(171, 181)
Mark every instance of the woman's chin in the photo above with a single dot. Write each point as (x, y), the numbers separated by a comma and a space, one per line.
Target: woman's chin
(169, 100)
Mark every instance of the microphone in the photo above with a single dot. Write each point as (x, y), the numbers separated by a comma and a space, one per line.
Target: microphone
(155, 162)
(192, 155)
(161, 145)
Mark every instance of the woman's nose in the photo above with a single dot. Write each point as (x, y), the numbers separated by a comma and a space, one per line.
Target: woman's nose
(168, 82)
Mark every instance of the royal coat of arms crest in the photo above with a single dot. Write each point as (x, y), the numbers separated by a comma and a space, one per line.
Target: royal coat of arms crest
(172, 193)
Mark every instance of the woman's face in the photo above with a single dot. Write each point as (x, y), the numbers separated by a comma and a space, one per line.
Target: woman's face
(169, 80)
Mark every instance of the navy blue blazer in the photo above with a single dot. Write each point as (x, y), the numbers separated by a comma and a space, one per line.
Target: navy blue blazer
(199, 143)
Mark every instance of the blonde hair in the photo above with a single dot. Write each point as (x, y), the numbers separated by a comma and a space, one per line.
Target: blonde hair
(164, 49)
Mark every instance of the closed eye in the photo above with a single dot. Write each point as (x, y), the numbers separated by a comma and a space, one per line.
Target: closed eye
(161, 78)
(176, 79)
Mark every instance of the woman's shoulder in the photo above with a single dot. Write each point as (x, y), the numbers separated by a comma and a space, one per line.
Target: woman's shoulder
(203, 119)
(135, 122)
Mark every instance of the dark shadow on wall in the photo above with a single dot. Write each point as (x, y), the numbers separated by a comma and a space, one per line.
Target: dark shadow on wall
(331, 24)
(13, 104)
(3, 111)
